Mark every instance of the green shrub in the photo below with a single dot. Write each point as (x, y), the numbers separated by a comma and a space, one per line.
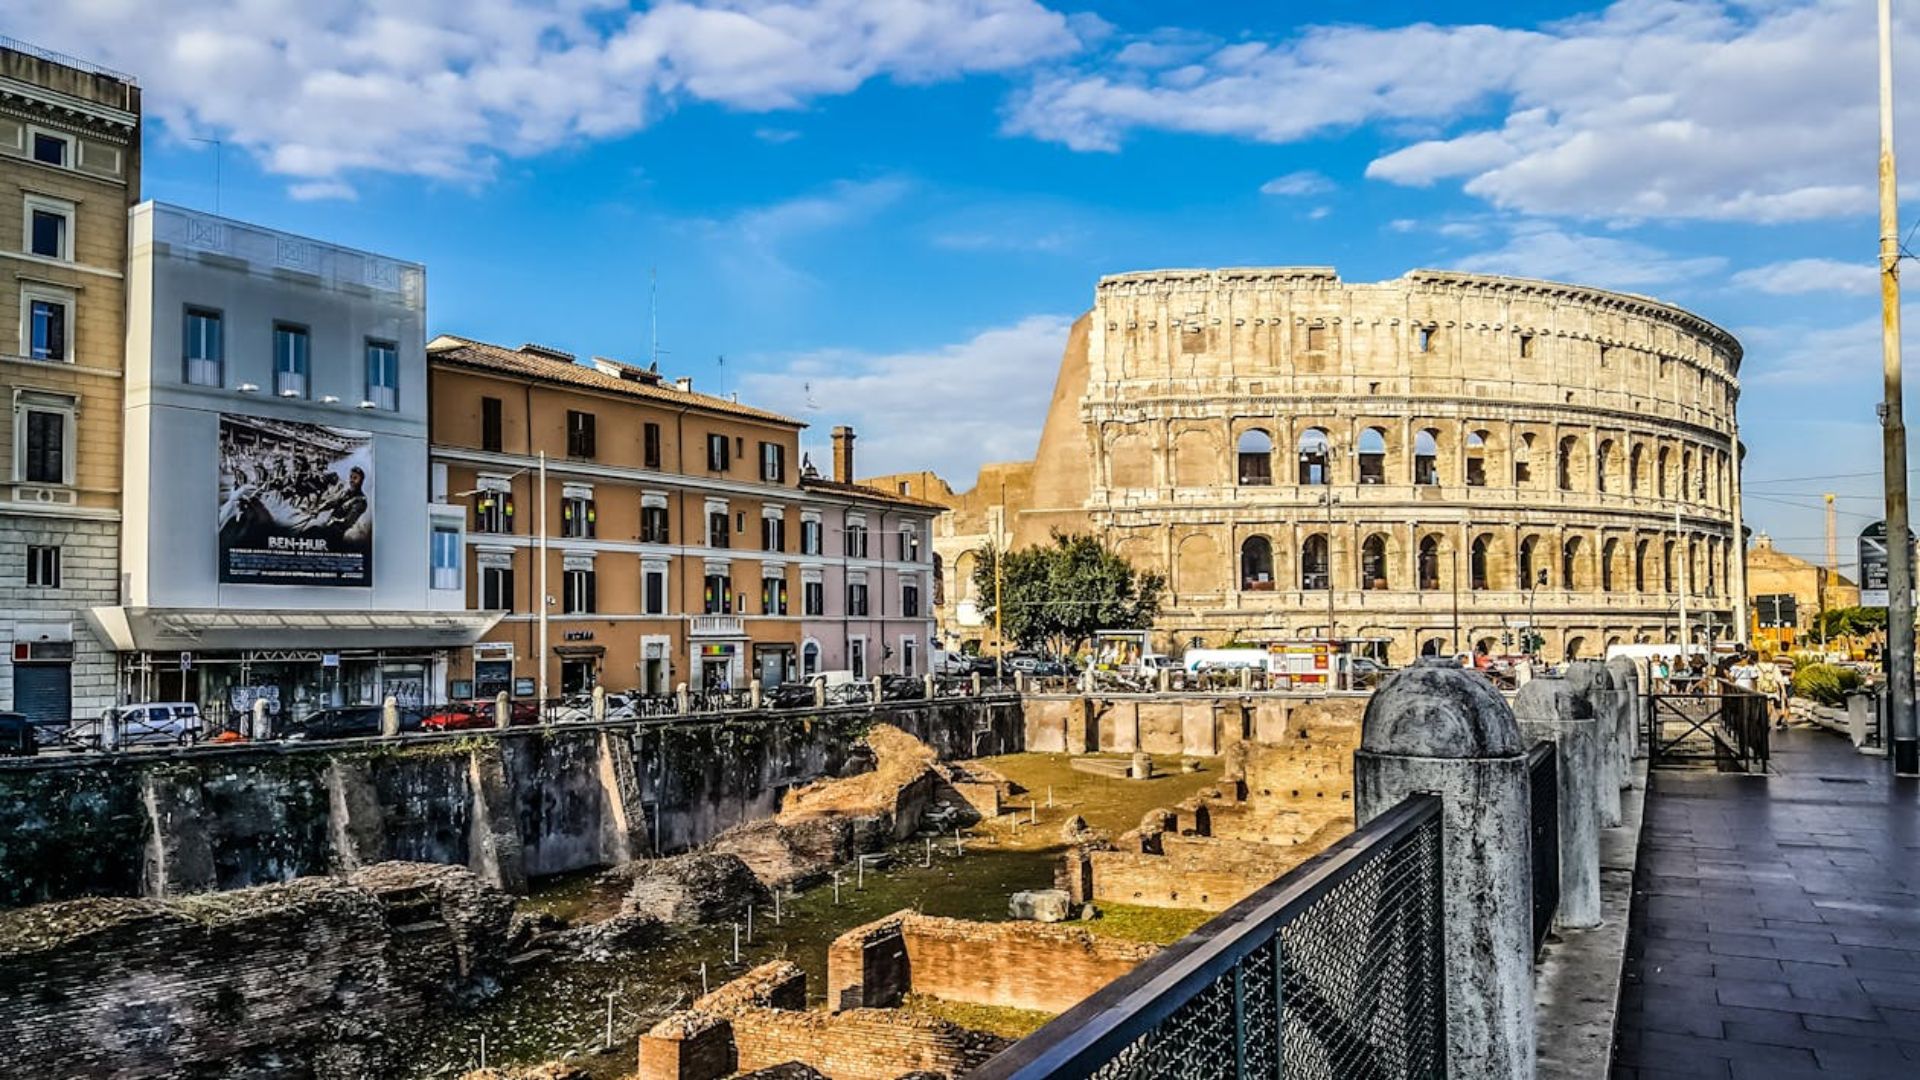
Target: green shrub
(1827, 684)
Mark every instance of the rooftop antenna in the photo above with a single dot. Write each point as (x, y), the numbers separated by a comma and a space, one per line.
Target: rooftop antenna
(653, 316)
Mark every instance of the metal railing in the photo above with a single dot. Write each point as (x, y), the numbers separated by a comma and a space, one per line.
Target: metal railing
(61, 58)
(1543, 778)
(1335, 970)
(1729, 730)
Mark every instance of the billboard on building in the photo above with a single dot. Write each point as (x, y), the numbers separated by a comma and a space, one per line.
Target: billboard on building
(296, 503)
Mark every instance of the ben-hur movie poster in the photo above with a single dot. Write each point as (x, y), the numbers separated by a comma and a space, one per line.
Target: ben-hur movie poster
(296, 503)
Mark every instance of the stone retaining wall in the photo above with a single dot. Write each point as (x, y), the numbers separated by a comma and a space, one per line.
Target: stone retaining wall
(1193, 725)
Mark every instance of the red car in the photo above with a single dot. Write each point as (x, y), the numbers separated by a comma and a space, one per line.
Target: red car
(472, 715)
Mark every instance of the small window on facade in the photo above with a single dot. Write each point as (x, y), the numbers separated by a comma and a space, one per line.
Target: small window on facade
(773, 534)
(773, 596)
(718, 529)
(50, 149)
(579, 596)
(290, 360)
(1526, 346)
(383, 375)
(1316, 338)
(857, 599)
(579, 434)
(650, 446)
(496, 588)
(1423, 338)
(857, 541)
(492, 425)
(492, 512)
(205, 348)
(719, 453)
(48, 233)
(47, 329)
(810, 532)
(813, 595)
(578, 519)
(46, 461)
(446, 558)
(773, 462)
(910, 599)
(43, 566)
(655, 600)
(653, 525)
(718, 595)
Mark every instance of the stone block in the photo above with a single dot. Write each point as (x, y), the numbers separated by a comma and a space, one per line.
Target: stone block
(1041, 905)
(700, 887)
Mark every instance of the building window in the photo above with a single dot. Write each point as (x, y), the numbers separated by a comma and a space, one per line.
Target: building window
(857, 599)
(1522, 461)
(492, 512)
(910, 599)
(49, 228)
(383, 375)
(653, 600)
(773, 533)
(719, 453)
(810, 536)
(717, 529)
(717, 598)
(909, 656)
(578, 593)
(650, 446)
(857, 657)
(1423, 338)
(1526, 346)
(48, 321)
(856, 541)
(496, 588)
(773, 596)
(492, 425)
(809, 660)
(773, 463)
(205, 348)
(813, 597)
(653, 525)
(577, 518)
(909, 544)
(50, 149)
(579, 434)
(43, 423)
(1255, 450)
(446, 558)
(290, 347)
(43, 566)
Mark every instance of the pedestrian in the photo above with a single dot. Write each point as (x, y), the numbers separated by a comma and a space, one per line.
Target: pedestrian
(1769, 683)
(1660, 673)
(1744, 673)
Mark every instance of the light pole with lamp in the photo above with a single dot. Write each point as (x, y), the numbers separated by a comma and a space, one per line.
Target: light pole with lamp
(540, 549)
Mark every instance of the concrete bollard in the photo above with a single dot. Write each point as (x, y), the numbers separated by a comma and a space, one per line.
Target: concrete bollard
(112, 723)
(1627, 719)
(390, 716)
(502, 712)
(1550, 708)
(1437, 728)
(1141, 767)
(262, 726)
(599, 707)
(879, 694)
(819, 693)
(683, 699)
(1165, 680)
(1246, 678)
(1020, 682)
(927, 682)
(753, 694)
(977, 689)
(1086, 679)
(1591, 680)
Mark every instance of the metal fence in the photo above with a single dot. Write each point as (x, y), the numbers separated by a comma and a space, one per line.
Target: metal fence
(1543, 777)
(1335, 970)
(1729, 730)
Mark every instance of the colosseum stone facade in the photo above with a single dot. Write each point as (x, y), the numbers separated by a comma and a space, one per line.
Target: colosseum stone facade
(1434, 461)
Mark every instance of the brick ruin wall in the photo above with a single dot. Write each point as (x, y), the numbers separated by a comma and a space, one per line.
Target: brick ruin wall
(305, 978)
(1020, 965)
(1191, 725)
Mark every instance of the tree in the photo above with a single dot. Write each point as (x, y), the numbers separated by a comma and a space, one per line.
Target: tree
(1057, 594)
(1851, 621)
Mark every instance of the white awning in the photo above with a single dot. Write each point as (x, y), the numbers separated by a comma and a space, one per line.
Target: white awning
(131, 629)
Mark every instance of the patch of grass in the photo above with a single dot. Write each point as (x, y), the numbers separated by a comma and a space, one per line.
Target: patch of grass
(1106, 803)
(1153, 925)
(993, 1019)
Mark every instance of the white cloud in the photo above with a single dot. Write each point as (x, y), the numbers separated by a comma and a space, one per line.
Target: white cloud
(1810, 276)
(1651, 109)
(949, 408)
(1535, 249)
(443, 88)
(756, 243)
(1295, 184)
(312, 190)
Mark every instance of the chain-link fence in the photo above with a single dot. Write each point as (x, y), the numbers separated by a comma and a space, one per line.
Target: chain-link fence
(1336, 970)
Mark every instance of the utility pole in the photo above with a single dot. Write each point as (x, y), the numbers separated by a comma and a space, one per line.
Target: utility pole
(1899, 652)
(999, 560)
(1332, 663)
(540, 524)
(1832, 568)
(1453, 559)
(1686, 571)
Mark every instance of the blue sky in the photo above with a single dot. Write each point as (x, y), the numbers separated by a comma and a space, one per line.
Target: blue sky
(885, 212)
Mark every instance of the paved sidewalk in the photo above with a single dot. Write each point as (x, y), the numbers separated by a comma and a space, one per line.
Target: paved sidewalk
(1776, 922)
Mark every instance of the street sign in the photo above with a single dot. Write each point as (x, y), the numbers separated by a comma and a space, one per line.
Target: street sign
(186, 661)
(1874, 564)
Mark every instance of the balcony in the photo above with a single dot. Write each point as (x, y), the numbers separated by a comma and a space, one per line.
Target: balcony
(716, 626)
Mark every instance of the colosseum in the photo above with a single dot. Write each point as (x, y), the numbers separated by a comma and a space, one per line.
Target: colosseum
(1431, 463)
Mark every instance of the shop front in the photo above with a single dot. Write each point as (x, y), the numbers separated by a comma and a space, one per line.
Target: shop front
(773, 664)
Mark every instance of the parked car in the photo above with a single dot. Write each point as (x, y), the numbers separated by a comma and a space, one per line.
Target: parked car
(790, 695)
(901, 688)
(350, 722)
(17, 737)
(156, 723)
(460, 716)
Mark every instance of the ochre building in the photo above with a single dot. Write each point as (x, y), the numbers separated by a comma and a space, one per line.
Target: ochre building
(1436, 462)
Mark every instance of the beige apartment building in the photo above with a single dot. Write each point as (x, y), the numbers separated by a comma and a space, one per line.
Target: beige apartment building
(69, 172)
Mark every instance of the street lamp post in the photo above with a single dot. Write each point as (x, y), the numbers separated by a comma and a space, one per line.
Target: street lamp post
(540, 524)
(1899, 651)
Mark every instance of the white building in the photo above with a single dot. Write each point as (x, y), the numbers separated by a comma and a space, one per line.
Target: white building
(277, 538)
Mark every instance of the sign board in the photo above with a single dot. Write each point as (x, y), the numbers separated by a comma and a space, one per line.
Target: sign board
(523, 687)
(1776, 611)
(1875, 565)
(493, 650)
(186, 661)
(330, 660)
(295, 503)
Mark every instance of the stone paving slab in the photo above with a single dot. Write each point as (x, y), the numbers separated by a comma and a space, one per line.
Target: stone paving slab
(1776, 922)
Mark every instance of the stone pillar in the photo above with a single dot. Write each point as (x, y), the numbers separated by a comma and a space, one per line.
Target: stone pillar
(390, 716)
(1549, 708)
(819, 693)
(502, 712)
(926, 682)
(879, 693)
(494, 851)
(179, 856)
(1437, 728)
(599, 707)
(1591, 680)
(976, 684)
(623, 835)
(261, 726)
(1631, 718)
(356, 822)
(684, 699)
(753, 694)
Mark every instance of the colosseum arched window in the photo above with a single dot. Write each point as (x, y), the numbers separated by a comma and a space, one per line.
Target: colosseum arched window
(1256, 458)
(1372, 456)
(1662, 463)
(1640, 566)
(1609, 556)
(1636, 461)
(1566, 463)
(1373, 562)
(1429, 560)
(1256, 564)
(1476, 459)
(1316, 455)
(1532, 573)
(1667, 567)
(1576, 647)
(1573, 575)
(1478, 558)
(1603, 467)
(1686, 472)
(1426, 457)
(1314, 563)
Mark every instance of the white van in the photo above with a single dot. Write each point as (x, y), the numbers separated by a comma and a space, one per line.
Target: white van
(1197, 660)
(155, 723)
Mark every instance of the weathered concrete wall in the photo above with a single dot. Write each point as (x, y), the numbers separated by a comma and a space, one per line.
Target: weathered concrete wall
(303, 978)
(1021, 965)
(507, 804)
(1196, 725)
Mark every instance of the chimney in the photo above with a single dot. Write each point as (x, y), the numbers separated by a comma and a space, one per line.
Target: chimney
(843, 454)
